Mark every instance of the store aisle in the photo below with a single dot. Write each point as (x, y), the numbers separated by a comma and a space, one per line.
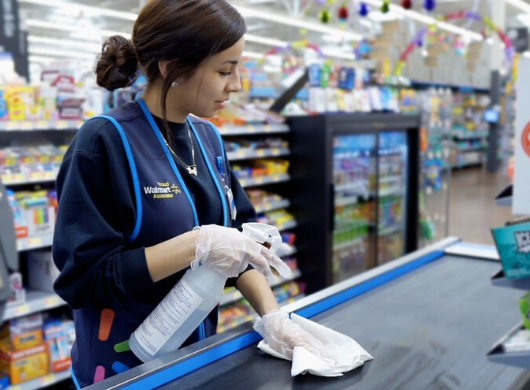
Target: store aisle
(472, 210)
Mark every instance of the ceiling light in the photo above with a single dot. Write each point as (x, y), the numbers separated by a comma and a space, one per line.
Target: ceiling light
(84, 30)
(526, 54)
(96, 11)
(291, 21)
(266, 41)
(338, 54)
(250, 54)
(523, 6)
(92, 47)
(61, 53)
(378, 16)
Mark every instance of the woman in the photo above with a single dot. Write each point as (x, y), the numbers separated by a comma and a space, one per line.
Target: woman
(136, 182)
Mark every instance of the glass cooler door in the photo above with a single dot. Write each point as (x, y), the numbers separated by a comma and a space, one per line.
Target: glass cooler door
(392, 195)
(354, 177)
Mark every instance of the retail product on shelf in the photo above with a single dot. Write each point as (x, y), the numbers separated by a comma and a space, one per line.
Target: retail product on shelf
(469, 124)
(34, 212)
(59, 335)
(22, 164)
(260, 168)
(436, 148)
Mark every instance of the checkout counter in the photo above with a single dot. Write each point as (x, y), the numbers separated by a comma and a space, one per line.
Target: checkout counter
(428, 319)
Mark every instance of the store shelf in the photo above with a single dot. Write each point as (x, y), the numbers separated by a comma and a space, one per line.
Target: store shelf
(40, 125)
(43, 381)
(346, 201)
(253, 129)
(285, 226)
(36, 301)
(269, 206)
(13, 180)
(390, 179)
(348, 244)
(236, 295)
(460, 88)
(473, 149)
(390, 230)
(390, 191)
(249, 154)
(356, 185)
(262, 180)
(462, 135)
(517, 359)
(35, 242)
(499, 280)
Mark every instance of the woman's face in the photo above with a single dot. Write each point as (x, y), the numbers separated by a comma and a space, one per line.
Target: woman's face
(209, 89)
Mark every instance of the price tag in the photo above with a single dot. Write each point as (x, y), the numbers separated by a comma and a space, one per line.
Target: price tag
(34, 241)
(258, 180)
(241, 153)
(42, 125)
(243, 182)
(51, 302)
(26, 125)
(276, 151)
(11, 125)
(15, 388)
(61, 125)
(276, 177)
(251, 128)
(47, 380)
(10, 161)
(267, 128)
(260, 153)
(22, 310)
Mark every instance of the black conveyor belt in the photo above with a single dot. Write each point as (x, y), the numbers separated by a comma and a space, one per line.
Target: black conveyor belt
(429, 329)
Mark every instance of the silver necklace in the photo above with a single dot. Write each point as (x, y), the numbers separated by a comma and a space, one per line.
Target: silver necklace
(192, 169)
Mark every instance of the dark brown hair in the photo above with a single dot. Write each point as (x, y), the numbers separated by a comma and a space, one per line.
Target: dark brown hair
(183, 32)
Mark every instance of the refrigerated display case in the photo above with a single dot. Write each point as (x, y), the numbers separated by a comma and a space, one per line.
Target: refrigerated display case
(354, 192)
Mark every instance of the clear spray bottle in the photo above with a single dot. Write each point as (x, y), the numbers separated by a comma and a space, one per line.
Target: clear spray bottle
(188, 303)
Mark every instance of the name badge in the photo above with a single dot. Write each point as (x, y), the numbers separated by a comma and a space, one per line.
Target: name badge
(231, 203)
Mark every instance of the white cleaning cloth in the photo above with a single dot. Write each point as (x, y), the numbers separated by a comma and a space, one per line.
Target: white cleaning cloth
(342, 352)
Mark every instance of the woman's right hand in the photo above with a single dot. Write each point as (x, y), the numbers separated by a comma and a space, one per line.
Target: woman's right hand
(229, 252)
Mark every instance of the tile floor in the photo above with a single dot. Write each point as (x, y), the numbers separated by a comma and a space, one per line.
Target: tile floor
(472, 209)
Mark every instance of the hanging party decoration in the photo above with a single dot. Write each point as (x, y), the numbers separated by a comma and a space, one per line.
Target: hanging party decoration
(363, 10)
(343, 13)
(324, 16)
(429, 5)
(459, 44)
(407, 4)
(385, 7)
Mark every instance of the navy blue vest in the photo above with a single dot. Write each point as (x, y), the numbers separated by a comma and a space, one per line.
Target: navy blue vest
(164, 209)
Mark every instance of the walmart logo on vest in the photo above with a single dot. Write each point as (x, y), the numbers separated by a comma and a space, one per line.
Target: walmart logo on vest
(162, 190)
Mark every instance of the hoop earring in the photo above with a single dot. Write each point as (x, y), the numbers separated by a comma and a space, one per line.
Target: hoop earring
(174, 84)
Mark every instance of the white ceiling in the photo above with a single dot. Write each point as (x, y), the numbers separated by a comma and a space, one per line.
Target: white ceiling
(83, 43)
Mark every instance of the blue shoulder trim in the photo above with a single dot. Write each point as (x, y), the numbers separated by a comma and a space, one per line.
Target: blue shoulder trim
(226, 212)
(134, 173)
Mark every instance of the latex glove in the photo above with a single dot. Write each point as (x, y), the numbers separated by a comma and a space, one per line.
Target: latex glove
(283, 335)
(229, 252)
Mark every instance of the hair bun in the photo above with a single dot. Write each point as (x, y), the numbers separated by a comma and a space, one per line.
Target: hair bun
(117, 64)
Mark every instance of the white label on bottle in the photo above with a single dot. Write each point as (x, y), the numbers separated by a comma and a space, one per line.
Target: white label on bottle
(167, 317)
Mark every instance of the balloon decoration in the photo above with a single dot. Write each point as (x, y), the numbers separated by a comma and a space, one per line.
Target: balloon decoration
(363, 10)
(324, 16)
(418, 40)
(343, 13)
(406, 4)
(385, 7)
(429, 5)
